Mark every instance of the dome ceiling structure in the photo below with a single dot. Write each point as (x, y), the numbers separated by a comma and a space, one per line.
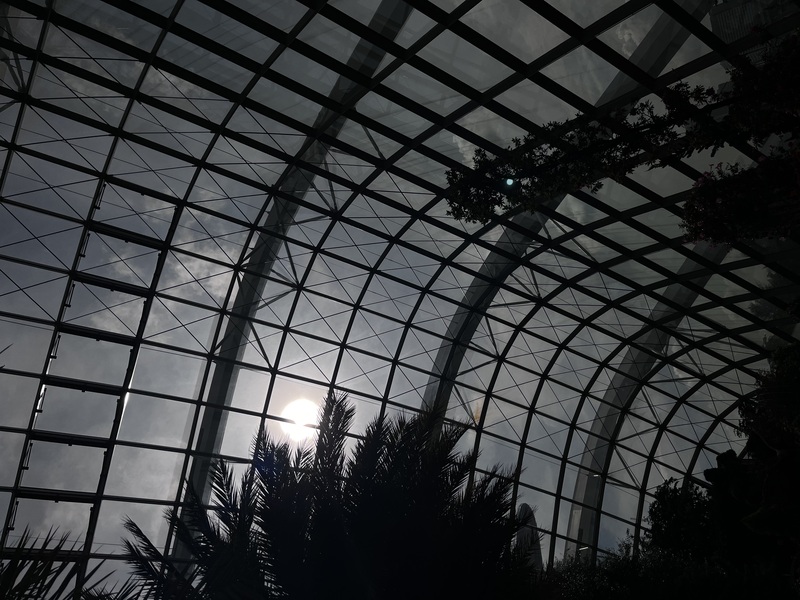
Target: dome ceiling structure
(211, 209)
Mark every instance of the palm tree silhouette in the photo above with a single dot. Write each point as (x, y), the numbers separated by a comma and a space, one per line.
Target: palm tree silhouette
(400, 516)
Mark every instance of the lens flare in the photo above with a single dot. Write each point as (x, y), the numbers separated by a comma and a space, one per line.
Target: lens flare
(303, 415)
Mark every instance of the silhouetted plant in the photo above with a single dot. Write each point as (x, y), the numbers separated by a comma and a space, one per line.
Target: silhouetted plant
(395, 518)
(696, 549)
(41, 569)
(562, 157)
(771, 417)
(680, 520)
(730, 203)
(765, 481)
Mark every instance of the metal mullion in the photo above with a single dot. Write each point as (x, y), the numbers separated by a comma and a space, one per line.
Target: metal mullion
(387, 132)
(648, 289)
(372, 272)
(54, 18)
(48, 495)
(183, 73)
(109, 284)
(520, 70)
(338, 68)
(566, 283)
(323, 59)
(406, 56)
(674, 244)
(543, 375)
(602, 365)
(461, 239)
(588, 37)
(80, 384)
(730, 301)
(618, 304)
(40, 492)
(645, 262)
(640, 383)
(25, 319)
(349, 111)
(259, 25)
(191, 161)
(134, 353)
(107, 129)
(651, 85)
(192, 451)
(599, 329)
(681, 402)
(40, 210)
(246, 102)
(124, 235)
(729, 52)
(409, 56)
(14, 496)
(577, 36)
(96, 334)
(29, 263)
(426, 292)
(57, 437)
(718, 420)
(150, 58)
(699, 446)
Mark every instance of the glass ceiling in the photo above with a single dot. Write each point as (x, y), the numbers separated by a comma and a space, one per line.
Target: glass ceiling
(210, 209)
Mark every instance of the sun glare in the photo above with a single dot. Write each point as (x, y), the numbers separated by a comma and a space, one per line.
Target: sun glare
(303, 415)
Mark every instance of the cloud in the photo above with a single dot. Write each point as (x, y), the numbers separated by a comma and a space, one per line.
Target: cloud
(629, 37)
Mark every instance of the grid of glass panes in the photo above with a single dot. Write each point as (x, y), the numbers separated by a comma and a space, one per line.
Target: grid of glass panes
(224, 206)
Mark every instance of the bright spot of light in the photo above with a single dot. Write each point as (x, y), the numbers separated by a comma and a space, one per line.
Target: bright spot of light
(509, 181)
(303, 415)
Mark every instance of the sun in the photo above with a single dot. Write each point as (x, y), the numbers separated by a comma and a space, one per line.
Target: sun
(303, 415)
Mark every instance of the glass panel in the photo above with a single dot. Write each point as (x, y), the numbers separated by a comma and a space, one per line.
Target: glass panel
(225, 30)
(515, 27)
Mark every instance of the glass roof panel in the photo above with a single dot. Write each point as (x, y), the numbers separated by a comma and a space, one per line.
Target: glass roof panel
(529, 36)
(207, 211)
(587, 14)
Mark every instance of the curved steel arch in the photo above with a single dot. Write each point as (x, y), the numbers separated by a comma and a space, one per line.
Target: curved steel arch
(654, 53)
(583, 525)
(717, 421)
(366, 57)
(265, 233)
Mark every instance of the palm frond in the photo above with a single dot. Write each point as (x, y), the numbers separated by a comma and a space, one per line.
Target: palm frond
(194, 527)
(29, 568)
(41, 569)
(307, 523)
(225, 495)
(147, 562)
(336, 418)
(366, 466)
(127, 590)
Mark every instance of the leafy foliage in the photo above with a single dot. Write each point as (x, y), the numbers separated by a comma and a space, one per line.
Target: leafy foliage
(771, 418)
(563, 157)
(697, 548)
(656, 575)
(395, 518)
(765, 482)
(680, 519)
(729, 203)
